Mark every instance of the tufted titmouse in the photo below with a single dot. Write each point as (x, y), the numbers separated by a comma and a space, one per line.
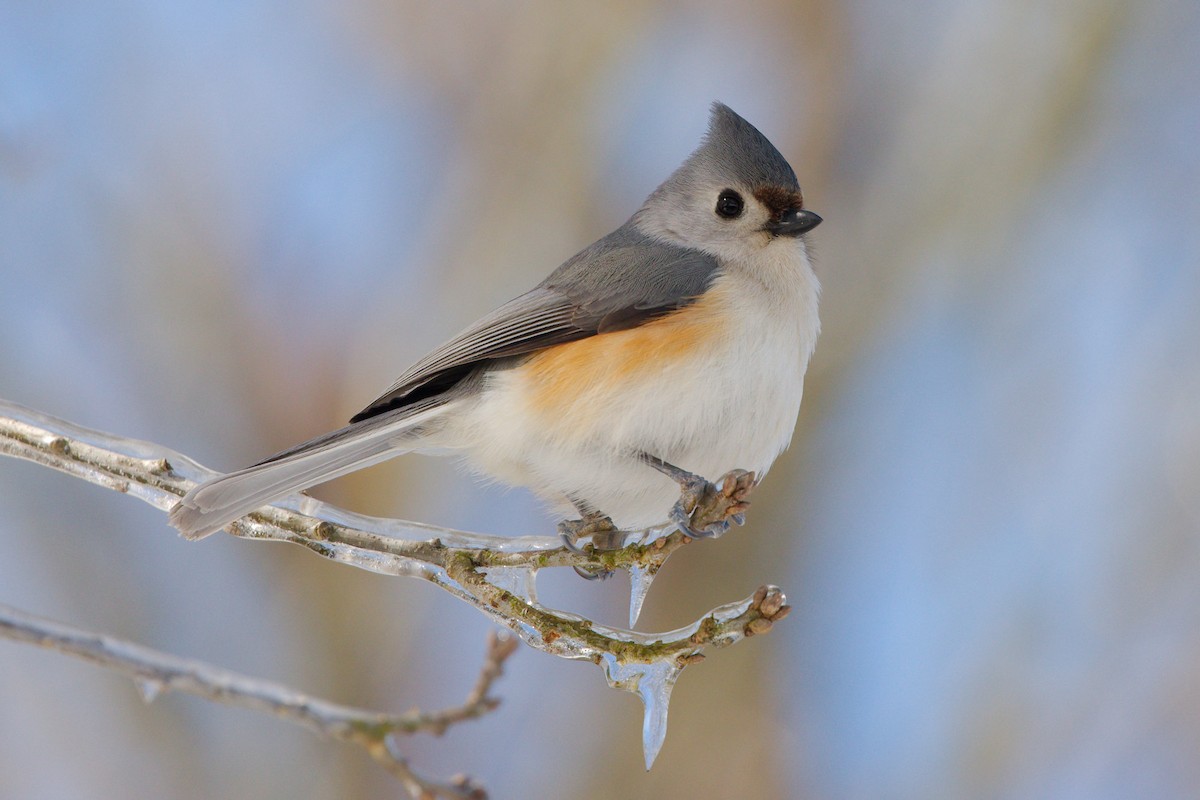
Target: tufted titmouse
(674, 347)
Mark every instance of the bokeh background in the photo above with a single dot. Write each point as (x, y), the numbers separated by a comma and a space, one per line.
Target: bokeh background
(225, 226)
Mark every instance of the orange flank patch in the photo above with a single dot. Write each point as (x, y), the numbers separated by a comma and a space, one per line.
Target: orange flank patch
(580, 376)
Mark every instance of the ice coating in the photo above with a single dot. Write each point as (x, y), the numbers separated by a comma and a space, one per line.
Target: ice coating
(651, 679)
(407, 530)
(521, 581)
(496, 575)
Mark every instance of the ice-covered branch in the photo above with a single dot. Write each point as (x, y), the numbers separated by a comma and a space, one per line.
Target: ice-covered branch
(160, 476)
(494, 574)
(155, 672)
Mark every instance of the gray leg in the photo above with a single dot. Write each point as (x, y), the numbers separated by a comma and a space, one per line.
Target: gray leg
(705, 509)
(605, 535)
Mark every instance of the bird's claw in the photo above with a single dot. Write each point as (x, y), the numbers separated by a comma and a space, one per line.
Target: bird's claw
(605, 536)
(706, 509)
(589, 575)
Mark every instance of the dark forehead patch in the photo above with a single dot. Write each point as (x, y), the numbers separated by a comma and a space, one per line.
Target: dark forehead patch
(777, 199)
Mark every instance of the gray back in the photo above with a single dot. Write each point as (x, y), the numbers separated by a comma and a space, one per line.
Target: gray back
(627, 278)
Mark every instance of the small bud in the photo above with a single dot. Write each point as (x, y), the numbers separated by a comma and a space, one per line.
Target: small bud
(758, 626)
(772, 603)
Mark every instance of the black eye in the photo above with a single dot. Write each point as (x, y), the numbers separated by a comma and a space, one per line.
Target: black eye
(730, 204)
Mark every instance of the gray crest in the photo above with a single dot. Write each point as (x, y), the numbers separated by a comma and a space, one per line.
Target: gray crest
(735, 149)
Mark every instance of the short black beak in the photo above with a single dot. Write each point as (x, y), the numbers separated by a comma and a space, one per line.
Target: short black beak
(793, 222)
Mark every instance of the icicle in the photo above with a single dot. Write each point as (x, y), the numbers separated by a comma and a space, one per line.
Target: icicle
(640, 578)
(653, 683)
(149, 688)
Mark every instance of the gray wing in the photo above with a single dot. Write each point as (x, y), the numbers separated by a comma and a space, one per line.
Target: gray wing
(621, 281)
(628, 278)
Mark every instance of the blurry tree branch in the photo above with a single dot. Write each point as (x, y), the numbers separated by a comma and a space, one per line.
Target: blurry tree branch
(494, 574)
(156, 672)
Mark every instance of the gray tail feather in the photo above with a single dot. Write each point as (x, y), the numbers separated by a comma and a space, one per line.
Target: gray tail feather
(211, 506)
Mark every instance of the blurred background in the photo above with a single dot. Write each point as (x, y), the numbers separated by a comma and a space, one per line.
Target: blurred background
(225, 227)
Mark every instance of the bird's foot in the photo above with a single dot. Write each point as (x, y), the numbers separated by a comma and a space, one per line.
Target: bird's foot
(706, 509)
(605, 536)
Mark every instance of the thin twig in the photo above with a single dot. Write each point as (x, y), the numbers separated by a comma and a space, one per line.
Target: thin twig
(156, 672)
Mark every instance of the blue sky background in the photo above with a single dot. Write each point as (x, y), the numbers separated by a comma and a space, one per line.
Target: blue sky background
(224, 227)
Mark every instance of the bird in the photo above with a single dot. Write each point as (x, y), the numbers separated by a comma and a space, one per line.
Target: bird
(666, 355)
